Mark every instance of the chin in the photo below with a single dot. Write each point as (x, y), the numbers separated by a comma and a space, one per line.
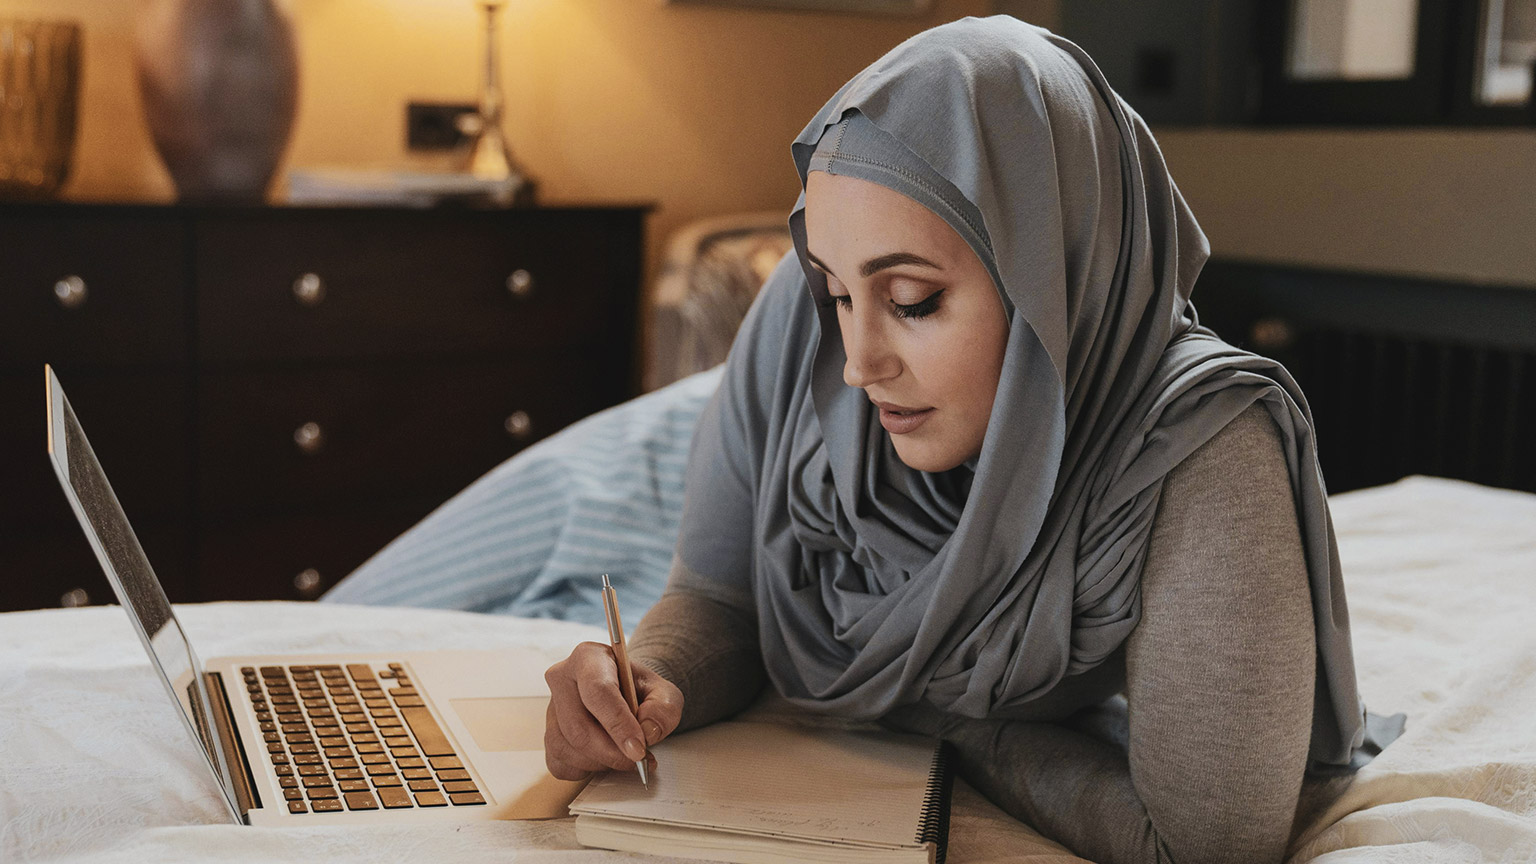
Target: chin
(932, 459)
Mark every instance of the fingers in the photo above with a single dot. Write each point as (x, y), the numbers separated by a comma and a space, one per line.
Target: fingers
(602, 697)
(661, 704)
(588, 724)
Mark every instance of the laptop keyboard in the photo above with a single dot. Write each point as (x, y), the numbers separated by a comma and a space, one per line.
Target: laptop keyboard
(339, 740)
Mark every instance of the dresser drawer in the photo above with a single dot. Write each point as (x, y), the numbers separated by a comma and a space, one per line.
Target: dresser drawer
(49, 569)
(316, 441)
(139, 429)
(88, 288)
(332, 285)
(293, 557)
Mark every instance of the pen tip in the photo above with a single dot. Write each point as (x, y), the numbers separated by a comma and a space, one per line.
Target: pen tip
(606, 584)
(645, 779)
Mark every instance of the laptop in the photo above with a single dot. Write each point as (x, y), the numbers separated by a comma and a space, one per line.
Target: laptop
(334, 739)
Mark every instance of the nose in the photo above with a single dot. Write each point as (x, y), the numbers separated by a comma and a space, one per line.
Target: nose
(870, 358)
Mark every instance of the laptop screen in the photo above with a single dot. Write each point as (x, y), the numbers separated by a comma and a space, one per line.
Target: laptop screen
(133, 580)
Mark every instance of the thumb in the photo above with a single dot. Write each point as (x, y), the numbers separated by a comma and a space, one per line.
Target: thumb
(661, 706)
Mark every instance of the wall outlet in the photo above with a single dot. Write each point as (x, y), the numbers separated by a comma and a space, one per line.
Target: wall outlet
(435, 125)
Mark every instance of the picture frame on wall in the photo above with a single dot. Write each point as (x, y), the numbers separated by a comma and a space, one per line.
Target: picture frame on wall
(869, 7)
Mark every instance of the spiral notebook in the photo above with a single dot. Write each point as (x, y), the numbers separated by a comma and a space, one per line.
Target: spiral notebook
(763, 793)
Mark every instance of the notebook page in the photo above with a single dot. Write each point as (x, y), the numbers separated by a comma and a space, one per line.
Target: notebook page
(757, 778)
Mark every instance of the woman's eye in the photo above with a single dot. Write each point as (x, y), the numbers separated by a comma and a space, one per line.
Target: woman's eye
(843, 300)
(921, 309)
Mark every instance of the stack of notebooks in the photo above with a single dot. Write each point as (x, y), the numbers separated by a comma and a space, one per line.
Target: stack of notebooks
(761, 793)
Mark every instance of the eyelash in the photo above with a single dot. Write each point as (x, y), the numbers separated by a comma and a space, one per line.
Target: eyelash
(921, 309)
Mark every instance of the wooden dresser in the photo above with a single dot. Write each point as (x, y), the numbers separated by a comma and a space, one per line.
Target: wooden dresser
(276, 392)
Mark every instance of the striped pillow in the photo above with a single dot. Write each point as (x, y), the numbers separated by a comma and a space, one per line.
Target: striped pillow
(531, 537)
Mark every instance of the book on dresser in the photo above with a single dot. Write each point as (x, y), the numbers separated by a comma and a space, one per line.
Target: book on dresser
(764, 793)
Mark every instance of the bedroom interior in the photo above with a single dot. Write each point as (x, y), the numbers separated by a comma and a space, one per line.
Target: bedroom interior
(333, 373)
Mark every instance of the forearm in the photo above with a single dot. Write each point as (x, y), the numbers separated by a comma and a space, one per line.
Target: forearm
(705, 647)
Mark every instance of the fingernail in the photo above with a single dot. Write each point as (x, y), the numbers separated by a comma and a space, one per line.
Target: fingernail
(634, 749)
(652, 731)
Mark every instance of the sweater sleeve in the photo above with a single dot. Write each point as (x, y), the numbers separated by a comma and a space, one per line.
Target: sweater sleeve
(702, 644)
(1203, 759)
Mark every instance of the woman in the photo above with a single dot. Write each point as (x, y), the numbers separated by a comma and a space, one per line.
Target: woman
(974, 468)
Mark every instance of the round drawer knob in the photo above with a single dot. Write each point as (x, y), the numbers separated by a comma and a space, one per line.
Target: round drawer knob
(70, 292)
(309, 438)
(519, 425)
(1269, 334)
(308, 583)
(74, 598)
(309, 289)
(520, 283)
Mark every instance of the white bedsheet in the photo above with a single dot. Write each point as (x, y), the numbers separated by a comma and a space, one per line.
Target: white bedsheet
(95, 766)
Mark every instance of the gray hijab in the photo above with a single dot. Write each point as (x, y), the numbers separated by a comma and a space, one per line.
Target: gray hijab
(979, 589)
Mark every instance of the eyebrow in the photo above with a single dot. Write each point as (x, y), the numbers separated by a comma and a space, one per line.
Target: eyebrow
(880, 262)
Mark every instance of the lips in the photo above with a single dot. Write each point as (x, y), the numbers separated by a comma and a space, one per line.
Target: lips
(901, 419)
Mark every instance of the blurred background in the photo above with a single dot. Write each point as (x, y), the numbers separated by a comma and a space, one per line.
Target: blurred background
(308, 267)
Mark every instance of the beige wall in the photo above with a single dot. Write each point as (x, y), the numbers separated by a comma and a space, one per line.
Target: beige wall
(693, 107)
(1458, 204)
(689, 107)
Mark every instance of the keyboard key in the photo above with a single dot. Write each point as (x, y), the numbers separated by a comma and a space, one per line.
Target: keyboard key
(348, 773)
(365, 738)
(307, 759)
(338, 752)
(311, 770)
(376, 703)
(270, 737)
(300, 738)
(321, 792)
(264, 716)
(247, 670)
(387, 720)
(431, 799)
(409, 763)
(393, 797)
(273, 672)
(459, 786)
(403, 691)
(422, 785)
(428, 733)
(296, 749)
(444, 762)
(297, 807)
(326, 805)
(386, 780)
(403, 752)
(343, 763)
(409, 702)
(275, 747)
(353, 785)
(360, 671)
(375, 758)
(370, 748)
(279, 758)
(379, 770)
(288, 782)
(317, 781)
(283, 770)
(415, 773)
(293, 794)
(361, 801)
(359, 728)
(465, 798)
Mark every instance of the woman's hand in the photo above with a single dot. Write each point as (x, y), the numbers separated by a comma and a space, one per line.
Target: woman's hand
(589, 726)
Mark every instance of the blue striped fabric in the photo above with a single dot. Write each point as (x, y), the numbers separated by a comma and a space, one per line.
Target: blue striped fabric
(533, 535)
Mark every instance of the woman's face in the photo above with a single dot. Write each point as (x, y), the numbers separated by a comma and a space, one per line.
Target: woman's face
(922, 324)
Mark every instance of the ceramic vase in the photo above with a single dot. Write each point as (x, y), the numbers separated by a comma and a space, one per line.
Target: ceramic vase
(219, 82)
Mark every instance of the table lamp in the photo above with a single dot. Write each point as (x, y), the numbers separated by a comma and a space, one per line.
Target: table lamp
(489, 157)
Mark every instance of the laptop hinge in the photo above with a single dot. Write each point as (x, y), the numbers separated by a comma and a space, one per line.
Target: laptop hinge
(234, 751)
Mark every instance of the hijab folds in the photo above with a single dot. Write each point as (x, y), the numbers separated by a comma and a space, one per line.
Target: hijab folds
(979, 589)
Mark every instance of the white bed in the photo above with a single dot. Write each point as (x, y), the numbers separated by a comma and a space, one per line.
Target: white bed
(94, 766)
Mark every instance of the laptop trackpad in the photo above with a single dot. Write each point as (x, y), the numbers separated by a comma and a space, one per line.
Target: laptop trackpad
(515, 723)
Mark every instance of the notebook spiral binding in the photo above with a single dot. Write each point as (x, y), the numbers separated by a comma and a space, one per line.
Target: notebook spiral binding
(933, 827)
